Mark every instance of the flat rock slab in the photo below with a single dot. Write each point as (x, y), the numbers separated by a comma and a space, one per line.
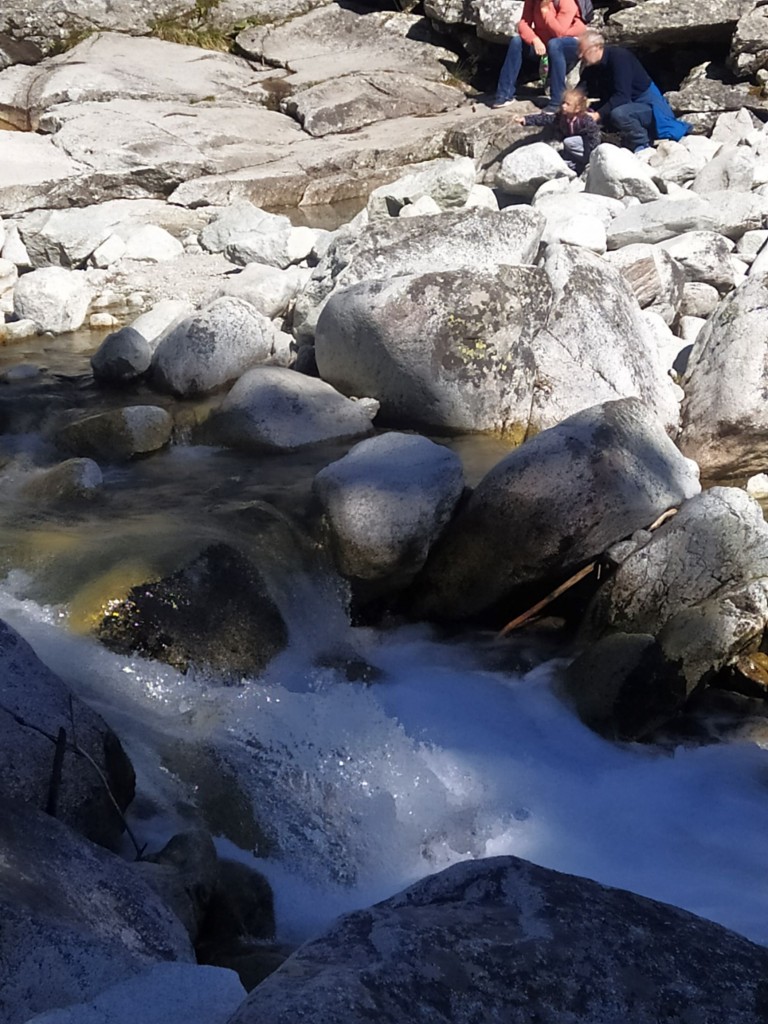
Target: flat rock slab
(110, 66)
(31, 167)
(505, 940)
(326, 170)
(334, 41)
(179, 140)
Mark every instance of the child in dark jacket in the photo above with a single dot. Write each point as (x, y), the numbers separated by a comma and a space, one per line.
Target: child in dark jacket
(574, 125)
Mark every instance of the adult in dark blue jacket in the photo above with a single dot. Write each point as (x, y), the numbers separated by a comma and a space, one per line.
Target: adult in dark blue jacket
(628, 100)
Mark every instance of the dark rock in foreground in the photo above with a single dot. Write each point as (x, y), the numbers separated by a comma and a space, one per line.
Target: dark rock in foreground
(502, 940)
(214, 613)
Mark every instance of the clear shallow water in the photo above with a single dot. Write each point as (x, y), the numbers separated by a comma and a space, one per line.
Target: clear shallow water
(353, 791)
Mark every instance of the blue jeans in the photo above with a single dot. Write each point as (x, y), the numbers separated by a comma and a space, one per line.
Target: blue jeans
(632, 121)
(563, 54)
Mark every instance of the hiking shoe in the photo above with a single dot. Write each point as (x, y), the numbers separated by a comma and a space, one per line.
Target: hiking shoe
(498, 104)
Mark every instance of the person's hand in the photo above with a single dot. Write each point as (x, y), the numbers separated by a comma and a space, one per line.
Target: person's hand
(544, 4)
(594, 115)
(519, 120)
(539, 47)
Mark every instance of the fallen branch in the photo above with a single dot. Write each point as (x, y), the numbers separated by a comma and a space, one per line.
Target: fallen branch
(571, 582)
(546, 600)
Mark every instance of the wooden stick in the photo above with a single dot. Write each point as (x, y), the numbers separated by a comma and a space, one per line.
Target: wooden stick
(521, 619)
(546, 600)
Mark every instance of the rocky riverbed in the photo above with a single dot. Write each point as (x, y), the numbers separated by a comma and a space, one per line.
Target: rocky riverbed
(249, 480)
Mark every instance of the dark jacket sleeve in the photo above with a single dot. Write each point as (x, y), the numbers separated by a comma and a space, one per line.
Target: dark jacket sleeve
(539, 120)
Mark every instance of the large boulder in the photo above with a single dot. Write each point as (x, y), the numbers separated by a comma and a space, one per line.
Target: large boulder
(212, 348)
(595, 345)
(76, 918)
(656, 278)
(449, 182)
(505, 940)
(471, 239)
(661, 219)
(447, 350)
(689, 22)
(386, 501)
(551, 506)
(615, 172)
(724, 416)
(34, 706)
(705, 257)
(696, 592)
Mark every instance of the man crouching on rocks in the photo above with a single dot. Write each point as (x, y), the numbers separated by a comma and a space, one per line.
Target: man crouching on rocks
(629, 102)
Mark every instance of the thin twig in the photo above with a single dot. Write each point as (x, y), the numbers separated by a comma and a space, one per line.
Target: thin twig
(55, 781)
(546, 600)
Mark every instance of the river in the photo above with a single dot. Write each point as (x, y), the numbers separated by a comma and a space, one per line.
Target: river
(343, 793)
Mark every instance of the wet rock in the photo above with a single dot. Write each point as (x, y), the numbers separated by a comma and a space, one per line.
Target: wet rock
(35, 705)
(166, 991)
(72, 480)
(119, 434)
(502, 939)
(184, 873)
(122, 357)
(386, 501)
(552, 505)
(216, 614)
(699, 587)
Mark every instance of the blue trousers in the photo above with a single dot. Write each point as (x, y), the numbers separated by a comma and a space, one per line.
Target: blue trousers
(632, 121)
(563, 53)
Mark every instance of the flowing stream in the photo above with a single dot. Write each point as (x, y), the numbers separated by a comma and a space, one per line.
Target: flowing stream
(340, 792)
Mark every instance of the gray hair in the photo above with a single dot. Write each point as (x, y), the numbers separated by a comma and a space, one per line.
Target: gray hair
(592, 38)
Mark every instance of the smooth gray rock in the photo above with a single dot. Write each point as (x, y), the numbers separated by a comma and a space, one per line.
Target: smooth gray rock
(55, 299)
(351, 102)
(724, 415)
(386, 501)
(119, 434)
(448, 182)
(652, 22)
(732, 168)
(617, 173)
(704, 257)
(76, 918)
(34, 705)
(122, 357)
(554, 504)
(212, 348)
(524, 169)
(71, 480)
(269, 290)
(272, 408)
(505, 940)
(699, 299)
(663, 218)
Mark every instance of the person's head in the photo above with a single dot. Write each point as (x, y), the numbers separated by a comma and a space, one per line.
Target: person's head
(591, 46)
(574, 102)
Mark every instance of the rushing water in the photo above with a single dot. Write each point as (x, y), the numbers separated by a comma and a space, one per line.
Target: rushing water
(342, 793)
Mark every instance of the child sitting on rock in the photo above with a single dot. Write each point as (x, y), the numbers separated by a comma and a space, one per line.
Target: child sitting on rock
(573, 123)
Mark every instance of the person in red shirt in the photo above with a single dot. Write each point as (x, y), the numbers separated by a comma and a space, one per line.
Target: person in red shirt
(550, 27)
